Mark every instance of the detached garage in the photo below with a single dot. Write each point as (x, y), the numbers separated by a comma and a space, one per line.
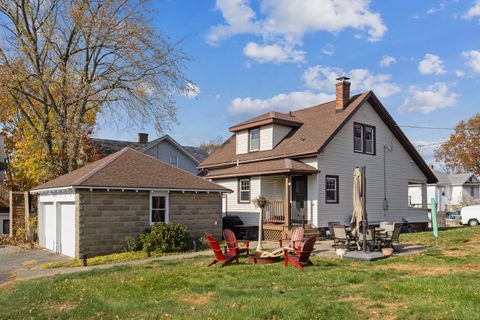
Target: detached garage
(91, 210)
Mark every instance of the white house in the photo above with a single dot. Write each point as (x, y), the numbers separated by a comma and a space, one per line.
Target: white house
(454, 191)
(304, 160)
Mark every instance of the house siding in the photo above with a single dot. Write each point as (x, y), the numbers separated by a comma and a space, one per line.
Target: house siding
(246, 211)
(266, 137)
(338, 158)
(164, 149)
(242, 141)
(279, 132)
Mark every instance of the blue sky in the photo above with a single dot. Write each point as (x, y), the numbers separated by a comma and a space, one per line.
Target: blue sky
(422, 58)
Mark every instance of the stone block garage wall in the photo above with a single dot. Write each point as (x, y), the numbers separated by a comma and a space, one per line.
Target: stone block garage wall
(105, 218)
(200, 212)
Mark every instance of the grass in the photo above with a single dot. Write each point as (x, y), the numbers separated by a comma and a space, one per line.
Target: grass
(440, 283)
(111, 258)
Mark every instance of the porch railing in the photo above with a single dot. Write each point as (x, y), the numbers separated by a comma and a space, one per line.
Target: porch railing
(274, 212)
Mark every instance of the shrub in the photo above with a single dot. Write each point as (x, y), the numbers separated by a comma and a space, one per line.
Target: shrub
(166, 237)
(133, 244)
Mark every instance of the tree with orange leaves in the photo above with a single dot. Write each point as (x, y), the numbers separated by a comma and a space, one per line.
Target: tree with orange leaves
(64, 61)
(461, 153)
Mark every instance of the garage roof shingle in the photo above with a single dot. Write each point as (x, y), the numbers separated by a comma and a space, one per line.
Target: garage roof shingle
(131, 169)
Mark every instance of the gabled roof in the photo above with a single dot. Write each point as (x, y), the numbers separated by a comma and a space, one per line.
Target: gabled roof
(131, 169)
(455, 179)
(107, 147)
(320, 125)
(278, 166)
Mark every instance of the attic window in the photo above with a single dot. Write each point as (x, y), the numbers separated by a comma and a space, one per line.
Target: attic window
(364, 139)
(254, 139)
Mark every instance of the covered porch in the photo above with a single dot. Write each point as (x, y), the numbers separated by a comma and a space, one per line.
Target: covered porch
(289, 184)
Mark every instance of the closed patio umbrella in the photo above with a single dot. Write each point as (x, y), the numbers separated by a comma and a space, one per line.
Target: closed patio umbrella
(357, 216)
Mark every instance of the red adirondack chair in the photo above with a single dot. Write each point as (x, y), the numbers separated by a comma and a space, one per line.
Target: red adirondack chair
(296, 239)
(301, 257)
(232, 243)
(225, 258)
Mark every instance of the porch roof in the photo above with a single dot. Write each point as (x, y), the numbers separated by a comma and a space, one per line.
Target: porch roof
(264, 168)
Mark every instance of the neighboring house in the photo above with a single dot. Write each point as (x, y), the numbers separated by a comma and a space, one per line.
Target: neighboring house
(164, 148)
(454, 191)
(91, 210)
(304, 160)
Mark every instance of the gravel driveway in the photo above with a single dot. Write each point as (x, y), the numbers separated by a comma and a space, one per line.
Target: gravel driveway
(13, 259)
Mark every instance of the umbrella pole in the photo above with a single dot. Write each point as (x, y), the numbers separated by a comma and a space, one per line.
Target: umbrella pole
(364, 200)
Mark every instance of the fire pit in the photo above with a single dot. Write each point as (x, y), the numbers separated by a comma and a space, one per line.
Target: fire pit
(257, 259)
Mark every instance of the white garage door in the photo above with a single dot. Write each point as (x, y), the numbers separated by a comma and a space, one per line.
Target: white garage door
(67, 228)
(49, 226)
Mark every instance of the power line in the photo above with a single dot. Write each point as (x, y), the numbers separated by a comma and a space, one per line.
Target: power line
(432, 128)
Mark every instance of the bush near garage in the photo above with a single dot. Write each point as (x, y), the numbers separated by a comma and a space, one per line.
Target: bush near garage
(161, 238)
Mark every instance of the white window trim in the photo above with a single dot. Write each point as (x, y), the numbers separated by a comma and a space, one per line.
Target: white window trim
(167, 205)
(366, 140)
(176, 161)
(250, 140)
(240, 190)
(335, 179)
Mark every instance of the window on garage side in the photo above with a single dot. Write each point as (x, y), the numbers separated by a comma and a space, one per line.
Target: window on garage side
(159, 208)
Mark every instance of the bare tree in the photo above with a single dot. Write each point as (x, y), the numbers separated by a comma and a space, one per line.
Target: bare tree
(63, 61)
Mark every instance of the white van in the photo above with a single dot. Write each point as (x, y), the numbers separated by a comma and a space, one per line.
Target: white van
(470, 215)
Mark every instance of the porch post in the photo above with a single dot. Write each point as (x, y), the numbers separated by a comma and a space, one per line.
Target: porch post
(286, 201)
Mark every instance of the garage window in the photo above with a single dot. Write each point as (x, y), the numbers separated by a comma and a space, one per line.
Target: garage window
(159, 208)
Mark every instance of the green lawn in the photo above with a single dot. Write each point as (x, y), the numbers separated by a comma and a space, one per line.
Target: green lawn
(436, 284)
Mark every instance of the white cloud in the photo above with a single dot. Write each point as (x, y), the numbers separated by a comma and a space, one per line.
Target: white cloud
(282, 102)
(286, 21)
(460, 73)
(239, 17)
(192, 91)
(432, 98)
(431, 64)
(387, 61)
(473, 11)
(273, 53)
(324, 78)
(473, 59)
(328, 49)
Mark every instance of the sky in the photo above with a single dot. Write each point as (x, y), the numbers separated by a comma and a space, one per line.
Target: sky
(421, 58)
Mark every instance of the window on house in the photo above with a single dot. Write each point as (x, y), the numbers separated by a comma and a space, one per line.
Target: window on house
(443, 191)
(363, 139)
(472, 191)
(417, 197)
(331, 189)
(244, 190)
(159, 208)
(174, 161)
(254, 139)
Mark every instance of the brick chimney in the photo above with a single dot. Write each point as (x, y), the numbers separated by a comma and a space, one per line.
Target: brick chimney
(342, 93)
(142, 138)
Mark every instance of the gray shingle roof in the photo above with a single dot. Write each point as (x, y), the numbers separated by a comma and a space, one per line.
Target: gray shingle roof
(107, 147)
(453, 179)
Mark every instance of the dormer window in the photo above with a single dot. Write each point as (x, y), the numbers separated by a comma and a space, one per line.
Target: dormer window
(254, 139)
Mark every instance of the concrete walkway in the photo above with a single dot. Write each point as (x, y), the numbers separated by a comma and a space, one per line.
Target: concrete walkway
(14, 259)
(323, 249)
